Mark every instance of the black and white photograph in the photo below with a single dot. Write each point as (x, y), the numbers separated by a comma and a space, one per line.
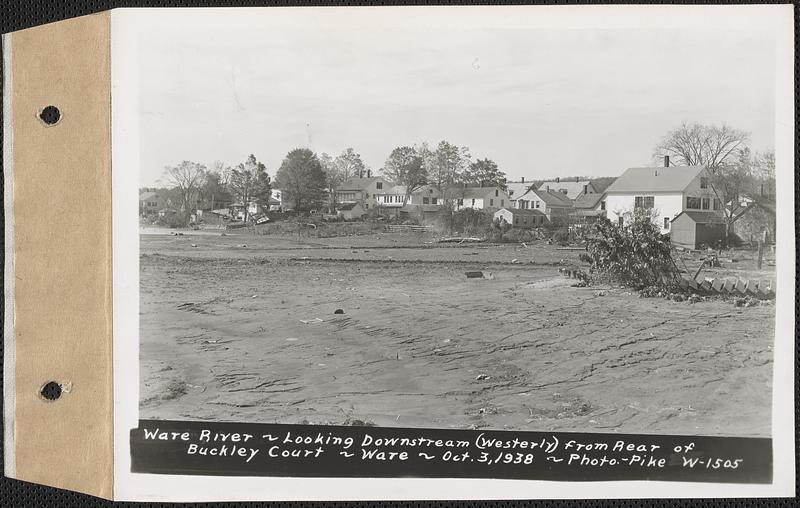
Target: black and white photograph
(464, 220)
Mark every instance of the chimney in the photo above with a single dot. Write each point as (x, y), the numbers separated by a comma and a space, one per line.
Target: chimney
(666, 161)
(522, 180)
(558, 179)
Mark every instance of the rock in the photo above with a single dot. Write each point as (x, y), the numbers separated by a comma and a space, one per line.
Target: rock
(338, 311)
(482, 377)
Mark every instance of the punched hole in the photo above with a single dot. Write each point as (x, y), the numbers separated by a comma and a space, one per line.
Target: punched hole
(50, 115)
(51, 391)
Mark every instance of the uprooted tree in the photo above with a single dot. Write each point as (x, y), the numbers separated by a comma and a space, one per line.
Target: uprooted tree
(636, 254)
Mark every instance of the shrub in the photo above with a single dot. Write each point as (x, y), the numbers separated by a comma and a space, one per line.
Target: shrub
(636, 254)
(561, 235)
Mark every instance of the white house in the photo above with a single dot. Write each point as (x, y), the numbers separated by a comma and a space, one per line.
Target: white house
(390, 197)
(480, 198)
(517, 189)
(666, 191)
(589, 207)
(550, 202)
(521, 218)
(362, 190)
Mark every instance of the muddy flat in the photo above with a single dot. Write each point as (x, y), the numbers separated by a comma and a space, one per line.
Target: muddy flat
(245, 328)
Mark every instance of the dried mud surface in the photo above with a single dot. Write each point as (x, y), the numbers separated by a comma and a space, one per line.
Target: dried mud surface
(243, 328)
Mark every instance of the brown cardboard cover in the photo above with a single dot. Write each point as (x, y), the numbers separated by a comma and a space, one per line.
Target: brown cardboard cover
(62, 255)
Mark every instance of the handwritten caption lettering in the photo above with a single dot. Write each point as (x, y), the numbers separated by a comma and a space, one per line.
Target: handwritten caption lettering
(239, 449)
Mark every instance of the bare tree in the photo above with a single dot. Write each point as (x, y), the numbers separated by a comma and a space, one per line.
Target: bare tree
(187, 178)
(730, 182)
(349, 164)
(333, 178)
(764, 172)
(696, 144)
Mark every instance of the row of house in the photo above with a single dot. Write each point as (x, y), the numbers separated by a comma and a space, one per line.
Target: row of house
(680, 199)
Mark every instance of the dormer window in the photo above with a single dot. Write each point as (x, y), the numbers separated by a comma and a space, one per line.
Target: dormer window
(703, 182)
(379, 185)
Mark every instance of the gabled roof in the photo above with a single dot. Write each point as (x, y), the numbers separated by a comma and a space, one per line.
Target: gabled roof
(479, 192)
(523, 211)
(356, 183)
(588, 200)
(346, 206)
(655, 179)
(518, 189)
(147, 195)
(393, 189)
(702, 217)
(553, 198)
(572, 188)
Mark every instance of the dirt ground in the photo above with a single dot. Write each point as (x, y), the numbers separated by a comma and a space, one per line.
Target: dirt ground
(243, 327)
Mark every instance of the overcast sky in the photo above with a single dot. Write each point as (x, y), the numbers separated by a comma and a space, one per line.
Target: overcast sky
(539, 100)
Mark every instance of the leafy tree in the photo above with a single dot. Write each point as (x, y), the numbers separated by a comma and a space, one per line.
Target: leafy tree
(302, 179)
(187, 178)
(636, 254)
(696, 144)
(214, 190)
(249, 181)
(484, 172)
(404, 166)
(448, 164)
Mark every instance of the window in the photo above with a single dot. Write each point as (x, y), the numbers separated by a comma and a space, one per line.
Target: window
(379, 185)
(426, 200)
(491, 202)
(433, 201)
(536, 204)
(502, 202)
(705, 202)
(644, 202)
(602, 205)
(703, 182)
(666, 222)
(473, 201)
(460, 202)
(496, 193)
(693, 203)
(516, 220)
(716, 204)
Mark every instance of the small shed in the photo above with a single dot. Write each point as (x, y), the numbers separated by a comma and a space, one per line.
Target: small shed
(350, 211)
(521, 218)
(690, 229)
